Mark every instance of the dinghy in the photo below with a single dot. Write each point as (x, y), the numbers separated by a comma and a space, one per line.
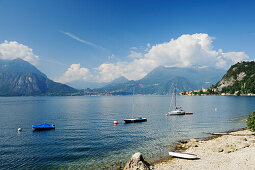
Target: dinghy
(43, 126)
(183, 155)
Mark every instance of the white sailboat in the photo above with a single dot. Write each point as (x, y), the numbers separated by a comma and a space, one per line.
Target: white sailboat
(177, 110)
(134, 120)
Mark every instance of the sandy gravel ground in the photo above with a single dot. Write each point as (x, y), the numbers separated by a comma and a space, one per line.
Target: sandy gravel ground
(233, 151)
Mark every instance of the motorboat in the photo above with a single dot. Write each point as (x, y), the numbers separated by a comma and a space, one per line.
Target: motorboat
(43, 126)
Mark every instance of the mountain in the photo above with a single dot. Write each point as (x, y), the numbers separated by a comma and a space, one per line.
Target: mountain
(239, 79)
(18, 66)
(161, 79)
(20, 78)
(198, 76)
(119, 80)
(83, 84)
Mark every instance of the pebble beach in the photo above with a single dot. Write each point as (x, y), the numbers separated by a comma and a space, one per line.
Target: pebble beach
(234, 150)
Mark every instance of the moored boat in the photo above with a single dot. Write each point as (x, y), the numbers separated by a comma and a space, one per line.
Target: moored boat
(139, 119)
(134, 120)
(43, 126)
(177, 110)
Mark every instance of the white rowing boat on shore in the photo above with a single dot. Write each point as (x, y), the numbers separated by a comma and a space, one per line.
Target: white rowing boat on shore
(183, 155)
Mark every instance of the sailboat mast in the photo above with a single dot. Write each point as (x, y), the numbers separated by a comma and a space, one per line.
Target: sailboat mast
(175, 96)
(133, 104)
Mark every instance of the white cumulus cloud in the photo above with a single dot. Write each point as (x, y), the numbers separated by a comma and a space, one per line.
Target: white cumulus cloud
(10, 50)
(74, 72)
(185, 51)
(134, 54)
(227, 59)
(195, 49)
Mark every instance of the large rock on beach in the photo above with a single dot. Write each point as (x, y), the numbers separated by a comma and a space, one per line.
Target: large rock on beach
(137, 162)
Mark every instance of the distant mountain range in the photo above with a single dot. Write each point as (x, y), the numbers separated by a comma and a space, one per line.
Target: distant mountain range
(161, 79)
(20, 78)
(83, 84)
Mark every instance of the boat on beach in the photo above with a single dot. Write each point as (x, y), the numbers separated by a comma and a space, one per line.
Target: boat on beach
(183, 155)
(177, 110)
(43, 126)
(134, 120)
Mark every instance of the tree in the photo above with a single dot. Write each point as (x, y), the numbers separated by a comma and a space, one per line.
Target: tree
(251, 121)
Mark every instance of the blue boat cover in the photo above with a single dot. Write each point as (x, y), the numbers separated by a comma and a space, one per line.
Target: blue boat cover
(43, 126)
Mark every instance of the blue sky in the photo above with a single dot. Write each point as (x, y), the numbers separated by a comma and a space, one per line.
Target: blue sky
(103, 33)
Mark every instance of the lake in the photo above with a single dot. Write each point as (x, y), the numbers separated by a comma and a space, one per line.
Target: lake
(85, 136)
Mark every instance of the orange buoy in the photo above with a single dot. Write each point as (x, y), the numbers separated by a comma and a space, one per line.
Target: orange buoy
(115, 122)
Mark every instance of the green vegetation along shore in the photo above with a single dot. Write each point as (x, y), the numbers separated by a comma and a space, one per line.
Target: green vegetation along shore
(239, 81)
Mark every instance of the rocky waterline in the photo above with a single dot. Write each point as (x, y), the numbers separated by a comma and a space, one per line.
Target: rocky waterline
(236, 147)
(234, 150)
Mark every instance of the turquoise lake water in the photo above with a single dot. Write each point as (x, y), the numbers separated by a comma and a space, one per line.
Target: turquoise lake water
(85, 136)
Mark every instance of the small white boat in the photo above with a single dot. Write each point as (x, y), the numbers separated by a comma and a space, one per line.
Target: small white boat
(183, 155)
(177, 110)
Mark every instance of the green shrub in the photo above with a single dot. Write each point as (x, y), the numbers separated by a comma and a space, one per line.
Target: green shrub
(251, 121)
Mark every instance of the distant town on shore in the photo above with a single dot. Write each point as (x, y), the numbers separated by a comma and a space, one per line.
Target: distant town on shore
(212, 91)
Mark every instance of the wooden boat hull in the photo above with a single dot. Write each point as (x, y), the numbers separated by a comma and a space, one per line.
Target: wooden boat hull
(183, 155)
(135, 120)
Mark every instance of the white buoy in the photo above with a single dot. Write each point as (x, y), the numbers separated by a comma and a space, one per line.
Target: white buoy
(19, 129)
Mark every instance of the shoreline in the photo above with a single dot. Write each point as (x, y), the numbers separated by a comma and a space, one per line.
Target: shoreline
(241, 95)
(178, 149)
(217, 147)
